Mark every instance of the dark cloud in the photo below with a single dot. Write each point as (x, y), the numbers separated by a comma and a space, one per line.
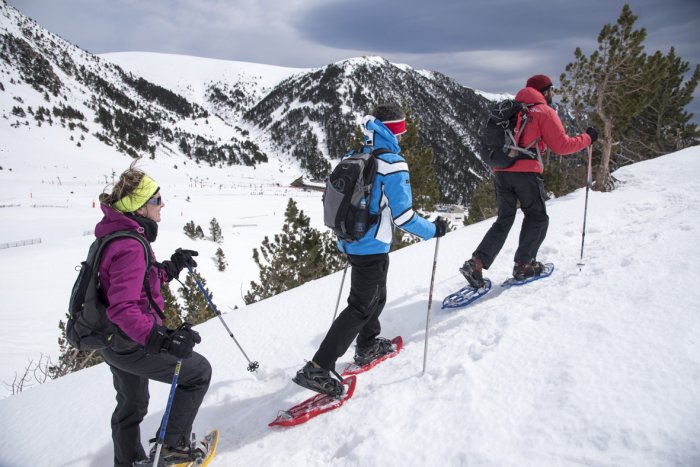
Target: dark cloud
(493, 45)
(416, 26)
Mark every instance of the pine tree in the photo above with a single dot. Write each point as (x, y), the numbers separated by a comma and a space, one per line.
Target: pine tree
(199, 233)
(171, 309)
(357, 140)
(221, 259)
(419, 158)
(196, 307)
(482, 203)
(190, 229)
(215, 231)
(297, 255)
(663, 126)
(403, 239)
(609, 88)
(70, 359)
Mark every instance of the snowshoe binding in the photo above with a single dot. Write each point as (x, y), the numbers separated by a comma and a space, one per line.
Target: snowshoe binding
(184, 454)
(366, 355)
(318, 379)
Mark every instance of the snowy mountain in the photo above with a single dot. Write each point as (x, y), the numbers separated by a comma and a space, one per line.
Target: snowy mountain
(229, 113)
(223, 87)
(596, 365)
(335, 97)
(45, 81)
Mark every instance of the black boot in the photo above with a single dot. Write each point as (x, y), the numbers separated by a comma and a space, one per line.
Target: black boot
(471, 270)
(313, 377)
(366, 355)
(522, 271)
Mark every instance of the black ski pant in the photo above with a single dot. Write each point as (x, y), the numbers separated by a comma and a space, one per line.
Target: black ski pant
(361, 317)
(511, 187)
(131, 370)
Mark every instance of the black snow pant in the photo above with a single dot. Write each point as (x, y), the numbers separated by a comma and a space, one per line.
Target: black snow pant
(361, 317)
(131, 370)
(511, 187)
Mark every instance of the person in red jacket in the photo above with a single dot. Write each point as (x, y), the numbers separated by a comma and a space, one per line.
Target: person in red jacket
(523, 182)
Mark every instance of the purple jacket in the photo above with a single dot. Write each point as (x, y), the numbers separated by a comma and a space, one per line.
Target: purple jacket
(122, 269)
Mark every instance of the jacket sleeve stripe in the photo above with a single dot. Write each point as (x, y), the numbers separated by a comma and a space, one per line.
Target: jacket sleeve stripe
(404, 217)
(386, 168)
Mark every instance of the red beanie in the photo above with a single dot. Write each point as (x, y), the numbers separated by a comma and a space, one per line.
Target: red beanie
(539, 82)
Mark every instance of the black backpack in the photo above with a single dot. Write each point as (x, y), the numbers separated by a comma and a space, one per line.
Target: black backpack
(347, 195)
(88, 327)
(500, 137)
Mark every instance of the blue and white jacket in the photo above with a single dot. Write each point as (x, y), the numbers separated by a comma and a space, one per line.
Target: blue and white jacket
(391, 197)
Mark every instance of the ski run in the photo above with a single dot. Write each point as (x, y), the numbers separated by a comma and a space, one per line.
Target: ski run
(596, 365)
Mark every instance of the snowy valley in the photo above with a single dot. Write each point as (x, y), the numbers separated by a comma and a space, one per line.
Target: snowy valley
(596, 365)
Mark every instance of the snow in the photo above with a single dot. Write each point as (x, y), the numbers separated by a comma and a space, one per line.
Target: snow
(49, 186)
(596, 365)
(494, 96)
(187, 75)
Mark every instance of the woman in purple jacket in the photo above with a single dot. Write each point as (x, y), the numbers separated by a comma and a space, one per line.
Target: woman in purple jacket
(143, 348)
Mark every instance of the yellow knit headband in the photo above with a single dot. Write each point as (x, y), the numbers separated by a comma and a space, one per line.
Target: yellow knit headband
(146, 188)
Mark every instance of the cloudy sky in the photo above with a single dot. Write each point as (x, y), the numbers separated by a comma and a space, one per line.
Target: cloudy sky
(492, 45)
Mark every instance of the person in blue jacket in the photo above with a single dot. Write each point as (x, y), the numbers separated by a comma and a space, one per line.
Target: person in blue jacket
(391, 202)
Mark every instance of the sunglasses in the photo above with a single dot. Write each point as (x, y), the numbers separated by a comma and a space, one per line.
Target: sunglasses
(155, 201)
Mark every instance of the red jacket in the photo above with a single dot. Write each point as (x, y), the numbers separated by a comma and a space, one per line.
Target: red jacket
(543, 122)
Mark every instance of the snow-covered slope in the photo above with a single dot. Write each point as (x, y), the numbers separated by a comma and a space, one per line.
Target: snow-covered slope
(213, 84)
(598, 365)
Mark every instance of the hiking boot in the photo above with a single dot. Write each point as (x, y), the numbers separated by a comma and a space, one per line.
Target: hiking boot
(318, 379)
(522, 271)
(471, 270)
(171, 455)
(366, 355)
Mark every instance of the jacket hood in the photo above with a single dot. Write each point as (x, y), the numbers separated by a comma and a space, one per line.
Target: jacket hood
(530, 96)
(383, 137)
(114, 221)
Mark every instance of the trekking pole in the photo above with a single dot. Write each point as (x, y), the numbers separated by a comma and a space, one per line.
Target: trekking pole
(589, 181)
(252, 366)
(430, 303)
(342, 281)
(166, 415)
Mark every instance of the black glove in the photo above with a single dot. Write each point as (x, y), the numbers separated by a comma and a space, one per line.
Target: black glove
(157, 339)
(440, 227)
(177, 342)
(592, 133)
(182, 340)
(179, 261)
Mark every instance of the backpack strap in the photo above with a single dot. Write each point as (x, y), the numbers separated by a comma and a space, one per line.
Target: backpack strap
(374, 218)
(148, 252)
(380, 151)
(515, 145)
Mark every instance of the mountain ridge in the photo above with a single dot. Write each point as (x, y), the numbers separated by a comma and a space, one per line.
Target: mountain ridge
(302, 115)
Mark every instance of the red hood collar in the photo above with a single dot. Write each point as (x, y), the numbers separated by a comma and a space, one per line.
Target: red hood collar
(530, 96)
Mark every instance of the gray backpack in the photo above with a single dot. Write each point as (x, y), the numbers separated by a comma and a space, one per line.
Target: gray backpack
(347, 195)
